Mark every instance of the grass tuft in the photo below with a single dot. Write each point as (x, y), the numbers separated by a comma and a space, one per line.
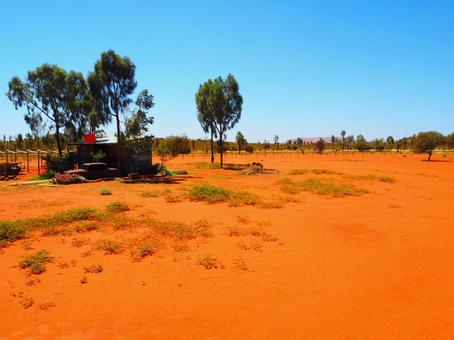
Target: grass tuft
(105, 191)
(117, 207)
(213, 194)
(11, 231)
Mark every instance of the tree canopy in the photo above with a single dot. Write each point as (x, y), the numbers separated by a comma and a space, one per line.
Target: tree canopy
(51, 92)
(111, 84)
(219, 103)
(426, 142)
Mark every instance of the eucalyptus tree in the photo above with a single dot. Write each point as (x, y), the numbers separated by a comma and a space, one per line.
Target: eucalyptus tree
(276, 141)
(50, 93)
(205, 113)
(221, 104)
(111, 85)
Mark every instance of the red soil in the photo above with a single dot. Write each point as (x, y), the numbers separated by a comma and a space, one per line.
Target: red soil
(375, 266)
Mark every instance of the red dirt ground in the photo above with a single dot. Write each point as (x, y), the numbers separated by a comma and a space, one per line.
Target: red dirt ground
(375, 266)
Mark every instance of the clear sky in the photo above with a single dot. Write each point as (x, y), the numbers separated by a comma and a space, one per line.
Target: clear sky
(305, 68)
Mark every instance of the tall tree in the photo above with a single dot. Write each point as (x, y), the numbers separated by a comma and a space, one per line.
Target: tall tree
(240, 141)
(343, 139)
(221, 100)
(276, 141)
(51, 92)
(205, 113)
(111, 84)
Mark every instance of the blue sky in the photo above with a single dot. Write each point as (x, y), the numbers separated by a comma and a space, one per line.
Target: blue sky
(305, 68)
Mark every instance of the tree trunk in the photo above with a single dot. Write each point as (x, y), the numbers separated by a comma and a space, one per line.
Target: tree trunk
(118, 144)
(212, 147)
(57, 139)
(430, 155)
(221, 149)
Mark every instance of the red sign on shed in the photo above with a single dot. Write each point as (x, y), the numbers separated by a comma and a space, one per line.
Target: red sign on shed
(90, 138)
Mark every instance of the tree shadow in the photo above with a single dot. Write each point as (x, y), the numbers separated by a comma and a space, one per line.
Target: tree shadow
(160, 180)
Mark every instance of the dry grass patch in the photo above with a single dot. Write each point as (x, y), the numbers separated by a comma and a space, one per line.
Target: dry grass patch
(85, 226)
(109, 247)
(252, 245)
(370, 177)
(213, 194)
(318, 171)
(79, 242)
(94, 269)
(105, 191)
(117, 207)
(320, 187)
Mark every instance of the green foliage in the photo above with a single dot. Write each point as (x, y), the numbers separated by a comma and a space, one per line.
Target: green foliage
(51, 92)
(36, 263)
(117, 207)
(171, 147)
(137, 124)
(57, 164)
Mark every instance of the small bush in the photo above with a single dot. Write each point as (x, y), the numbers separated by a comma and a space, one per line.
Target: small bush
(109, 247)
(117, 207)
(11, 231)
(208, 193)
(105, 191)
(68, 179)
(36, 263)
(85, 226)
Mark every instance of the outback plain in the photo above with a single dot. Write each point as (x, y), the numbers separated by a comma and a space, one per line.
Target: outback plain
(330, 246)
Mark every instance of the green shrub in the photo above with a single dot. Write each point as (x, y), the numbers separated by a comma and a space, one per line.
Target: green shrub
(209, 193)
(11, 231)
(117, 207)
(36, 263)
(57, 164)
